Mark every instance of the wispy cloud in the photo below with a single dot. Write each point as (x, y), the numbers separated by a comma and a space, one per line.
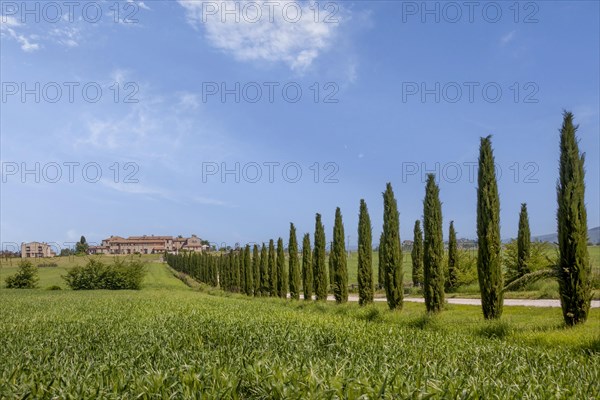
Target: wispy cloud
(507, 38)
(271, 34)
(8, 28)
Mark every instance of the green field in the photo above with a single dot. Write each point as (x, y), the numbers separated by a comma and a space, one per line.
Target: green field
(170, 341)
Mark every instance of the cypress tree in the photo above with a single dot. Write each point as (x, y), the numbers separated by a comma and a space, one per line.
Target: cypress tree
(453, 266)
(237, 271)
(433, 248)
(380, 269)
(489, 267)
(264, 272)
(574, 268)
(256, 270)
(249, 275)
(523, 243)
(307, 268)
(272, 269)
(392, 252)
(294, 265)
(330, 267)
(282, 283)
(365, 256)
(338, 260)
(319, 269)
(242, 266)
(417, 255)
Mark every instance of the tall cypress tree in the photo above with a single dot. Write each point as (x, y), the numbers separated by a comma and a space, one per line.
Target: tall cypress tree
(307, 268)
(433, 248)
(256, 270)
(294, 265)
(392, 252)
(523, 243)
(489, 267)
(242, 265)
(380, 258)
(365, 256)
(417, 255)
(453, 266)
(272, 269)
(265, 277)
(574, 268)
(330, 266)
(338, 260)
(319, 268)
(249, 274)
(282, 282)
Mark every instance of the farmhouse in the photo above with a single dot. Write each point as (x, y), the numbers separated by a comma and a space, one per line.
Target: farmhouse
(36, 250)
(148, 245)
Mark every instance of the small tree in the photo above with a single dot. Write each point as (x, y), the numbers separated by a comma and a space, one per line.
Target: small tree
(282, 283)
(248, 274)
(307, 268)
(523, 243)
(25, 278)
(265, 277)
(453, 260)
(574, 269)
(380, 259)
(365, 255)
(256, 269)
(433, 248)
(81, 247)
(392, 251)
(338, 260)
(294, 265)
(417, 255)
(272, 270)
(319, 269)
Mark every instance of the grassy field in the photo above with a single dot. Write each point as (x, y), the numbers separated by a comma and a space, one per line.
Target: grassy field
(170, 341)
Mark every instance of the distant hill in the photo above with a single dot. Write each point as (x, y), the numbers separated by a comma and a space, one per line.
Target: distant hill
(593, 236)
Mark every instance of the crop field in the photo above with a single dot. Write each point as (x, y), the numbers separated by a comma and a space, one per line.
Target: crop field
(171, 341)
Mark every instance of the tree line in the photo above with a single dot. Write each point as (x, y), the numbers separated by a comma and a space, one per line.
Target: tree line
(266, 271)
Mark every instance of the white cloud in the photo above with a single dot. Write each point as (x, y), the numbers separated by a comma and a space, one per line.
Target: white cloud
(289, 32)
(8, 25)
(509, 37)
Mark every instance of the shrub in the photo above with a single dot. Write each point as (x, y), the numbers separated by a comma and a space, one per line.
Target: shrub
(25, 278)
(48, 265)
(54, 287)
(537, 259)
(95, 274)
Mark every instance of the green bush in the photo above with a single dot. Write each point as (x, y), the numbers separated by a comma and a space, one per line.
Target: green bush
(47, 265)
(54, 287)
(95, 274)
(537, 258)
(25, 278)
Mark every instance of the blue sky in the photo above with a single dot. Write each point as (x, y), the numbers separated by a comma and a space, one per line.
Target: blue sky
(380, 103)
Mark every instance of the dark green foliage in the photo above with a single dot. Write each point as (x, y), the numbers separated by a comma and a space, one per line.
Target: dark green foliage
(256, 269)
(272, 270)
(249, 272)
(264, 272)
(294, 264)
(95, 274)
(47, 265)
(574, 267)
(392, 252)
(433, 248)
(417, 255)
(453, 260)
(338, 260)
(365, 256)
(81, 247)
(25, 278)
(242, 267)
(319, 269)
(380, 269)
(282, 282)
(489, 267)
(307, 268)
(523, 243)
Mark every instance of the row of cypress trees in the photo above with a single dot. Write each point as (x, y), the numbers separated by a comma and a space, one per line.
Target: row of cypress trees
(266, 273)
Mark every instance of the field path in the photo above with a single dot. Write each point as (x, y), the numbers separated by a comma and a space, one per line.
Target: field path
(477, 302)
